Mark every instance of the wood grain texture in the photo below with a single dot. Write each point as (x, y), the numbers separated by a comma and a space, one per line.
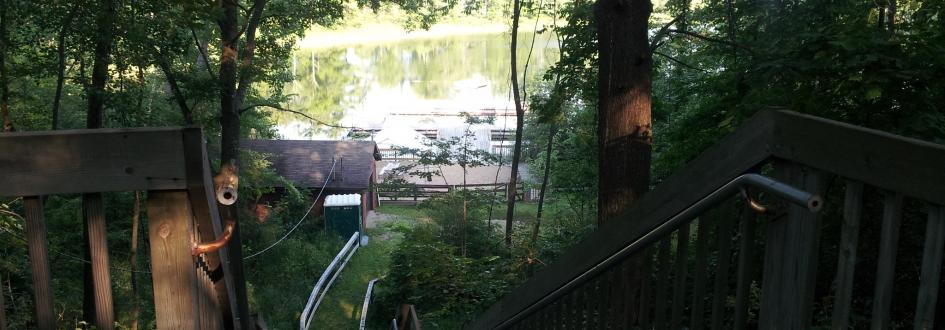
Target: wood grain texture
(210, 225)
(40, 163)
(791, 250)
(3, 308)
(92, 206)
(697, 314)
(733, 156)
(720, 289)
(210, 312)
(172, 266)
(644, 300)
(873, 157)
(38, 247)
(886, 263)
(846, 263)
(931, 268)
(679, 280)
(662, 286)
(746, 260)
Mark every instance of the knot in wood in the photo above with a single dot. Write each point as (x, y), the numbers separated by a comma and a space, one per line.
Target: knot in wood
(164, 230)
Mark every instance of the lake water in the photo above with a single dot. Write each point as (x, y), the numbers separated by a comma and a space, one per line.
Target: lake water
(421, 84)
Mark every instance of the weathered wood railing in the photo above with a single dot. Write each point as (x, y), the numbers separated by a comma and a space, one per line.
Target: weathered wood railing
(190, 292)
(677, 280)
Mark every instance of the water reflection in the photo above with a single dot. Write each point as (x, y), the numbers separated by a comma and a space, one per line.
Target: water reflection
(420, 83)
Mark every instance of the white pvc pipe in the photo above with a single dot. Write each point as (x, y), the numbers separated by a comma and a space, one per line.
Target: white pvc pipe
(367, 301)
(307, 314)
(332, 280)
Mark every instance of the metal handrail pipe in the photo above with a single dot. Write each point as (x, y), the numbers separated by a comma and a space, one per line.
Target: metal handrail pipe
(333, 277)
(796, 196)
(367, 301)
(306, 318)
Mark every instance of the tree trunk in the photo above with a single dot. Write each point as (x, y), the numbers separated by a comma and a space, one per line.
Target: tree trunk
(544, 181)
(95, 119)
(60, 77)
(175, 89)
(230, 138)
(891, 16)
(229, 114)
(61, 68)
(103, 47)
(519, 123)
(133, 261)
(4, 79)
(624, 128)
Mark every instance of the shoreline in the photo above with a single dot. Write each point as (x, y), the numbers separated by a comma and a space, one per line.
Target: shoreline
(376, 33)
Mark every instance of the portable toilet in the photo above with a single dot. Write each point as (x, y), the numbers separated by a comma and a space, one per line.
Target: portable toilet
(343, 213)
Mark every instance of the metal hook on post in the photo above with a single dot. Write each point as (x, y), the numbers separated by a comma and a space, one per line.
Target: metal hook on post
(217, 244)
(753, 203)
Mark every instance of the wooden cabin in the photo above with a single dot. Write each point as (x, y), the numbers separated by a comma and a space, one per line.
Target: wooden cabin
(307, 164)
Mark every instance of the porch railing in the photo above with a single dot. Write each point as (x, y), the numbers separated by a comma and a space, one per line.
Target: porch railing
(743, 269)
(190, 292)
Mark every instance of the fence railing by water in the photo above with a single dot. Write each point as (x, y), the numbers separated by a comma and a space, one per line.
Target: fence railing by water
(745, 269)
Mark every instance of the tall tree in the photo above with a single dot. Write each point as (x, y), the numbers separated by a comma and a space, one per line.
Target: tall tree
(61, 66)
(519, 124)
(95, 118)
(624, 87)
(231, 99)
(624, 121)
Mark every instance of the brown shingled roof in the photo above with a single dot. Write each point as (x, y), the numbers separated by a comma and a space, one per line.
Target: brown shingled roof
(306, 163)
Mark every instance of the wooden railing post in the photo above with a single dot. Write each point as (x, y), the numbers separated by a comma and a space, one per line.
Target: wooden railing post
(931, 268)
(98, 251)
(39, 262)
(886, 263)
(3, 309)
(679, 281)
(720, 288)
(172, 266)
(746, 259)
(846, 256)
(697, 318)
(790, 265)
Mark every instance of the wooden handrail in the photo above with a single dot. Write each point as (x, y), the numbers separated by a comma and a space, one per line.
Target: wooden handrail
(876, 158)
(173, 166)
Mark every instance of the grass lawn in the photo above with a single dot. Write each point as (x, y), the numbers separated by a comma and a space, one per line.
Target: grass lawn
(402, 211)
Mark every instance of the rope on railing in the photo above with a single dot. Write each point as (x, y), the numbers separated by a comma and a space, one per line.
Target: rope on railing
(315, 298)
(367, 301)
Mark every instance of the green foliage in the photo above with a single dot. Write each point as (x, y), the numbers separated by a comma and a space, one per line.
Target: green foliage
(831, 59)
(455, 150)
(446, 287)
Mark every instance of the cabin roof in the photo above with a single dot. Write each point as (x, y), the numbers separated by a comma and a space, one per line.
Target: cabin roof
(306, 163)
